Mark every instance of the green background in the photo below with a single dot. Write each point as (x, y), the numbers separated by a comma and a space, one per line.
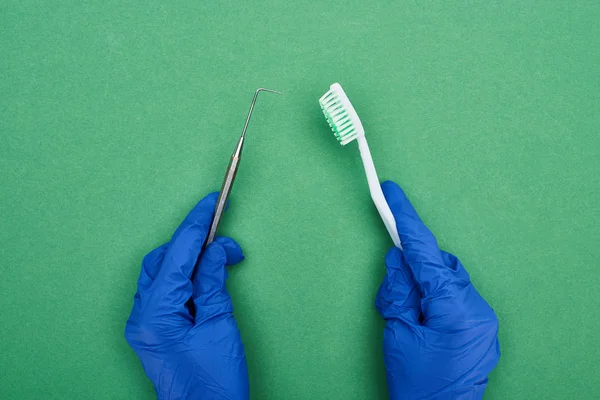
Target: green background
(116, 118)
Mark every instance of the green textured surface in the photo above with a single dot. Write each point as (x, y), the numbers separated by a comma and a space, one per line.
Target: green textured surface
(115, 118)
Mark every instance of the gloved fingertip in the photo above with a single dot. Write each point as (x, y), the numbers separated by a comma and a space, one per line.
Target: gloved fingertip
(392, 190)
(202, 212)
(398, 202)
(232, 249)
(214, 197)
(206, 204)
(214, 254)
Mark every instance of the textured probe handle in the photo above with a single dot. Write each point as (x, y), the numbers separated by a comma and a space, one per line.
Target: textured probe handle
(223, 196)
(376, 193)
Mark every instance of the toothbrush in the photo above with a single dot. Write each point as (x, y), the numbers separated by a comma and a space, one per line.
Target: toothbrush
(347, 127)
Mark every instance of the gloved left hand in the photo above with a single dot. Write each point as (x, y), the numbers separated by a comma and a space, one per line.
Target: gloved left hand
(181, 326)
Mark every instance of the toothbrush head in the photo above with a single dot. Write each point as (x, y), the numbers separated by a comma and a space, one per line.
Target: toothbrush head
(340, 115)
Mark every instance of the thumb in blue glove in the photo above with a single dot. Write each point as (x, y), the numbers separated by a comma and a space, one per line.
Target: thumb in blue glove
(181, 325)
(441, 337)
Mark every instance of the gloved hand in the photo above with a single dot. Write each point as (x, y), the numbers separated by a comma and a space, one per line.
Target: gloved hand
(441, 337)
(181, 325)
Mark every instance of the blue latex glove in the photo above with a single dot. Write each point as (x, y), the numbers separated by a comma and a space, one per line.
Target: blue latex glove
(181, 325)
(441, 337)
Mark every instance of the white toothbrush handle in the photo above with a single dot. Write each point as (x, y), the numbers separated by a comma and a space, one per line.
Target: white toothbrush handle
(376, 192)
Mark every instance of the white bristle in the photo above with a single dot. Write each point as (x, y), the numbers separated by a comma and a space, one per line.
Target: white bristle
(340, 115)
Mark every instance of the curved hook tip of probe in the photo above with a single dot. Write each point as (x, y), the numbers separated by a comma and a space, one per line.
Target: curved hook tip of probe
(252, 106)
(267, 90)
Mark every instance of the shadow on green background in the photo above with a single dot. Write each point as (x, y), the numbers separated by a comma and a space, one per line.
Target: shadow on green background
(115, 118)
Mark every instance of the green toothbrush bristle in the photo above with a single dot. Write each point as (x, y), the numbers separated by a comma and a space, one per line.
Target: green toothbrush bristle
(337, 118)
(340, 115)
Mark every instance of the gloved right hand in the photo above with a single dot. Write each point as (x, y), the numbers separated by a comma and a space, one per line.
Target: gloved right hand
(441, 337)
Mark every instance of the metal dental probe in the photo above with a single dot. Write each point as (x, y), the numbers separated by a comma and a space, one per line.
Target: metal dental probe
(231, 172)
